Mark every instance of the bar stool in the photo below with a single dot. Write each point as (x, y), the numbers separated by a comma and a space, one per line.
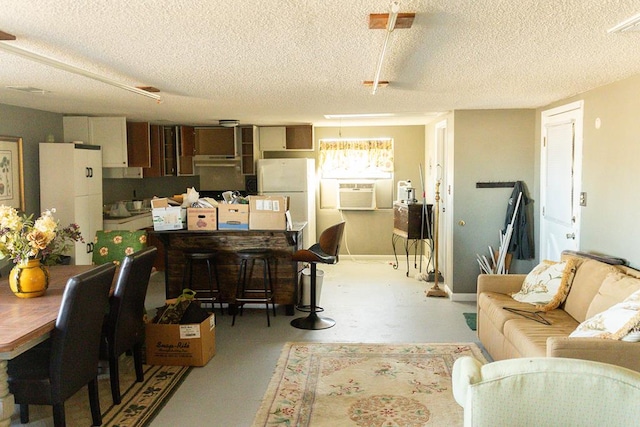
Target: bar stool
(247, 292)
(210, 258)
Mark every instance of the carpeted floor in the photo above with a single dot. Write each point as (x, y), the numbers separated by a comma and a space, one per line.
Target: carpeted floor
(140, 401)
(347, 384)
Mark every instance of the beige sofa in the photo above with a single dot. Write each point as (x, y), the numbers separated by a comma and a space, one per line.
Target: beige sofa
(507, 335)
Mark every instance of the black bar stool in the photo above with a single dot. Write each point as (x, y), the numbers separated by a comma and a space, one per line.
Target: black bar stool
(210, 258)
(247, 292)
(325, 252)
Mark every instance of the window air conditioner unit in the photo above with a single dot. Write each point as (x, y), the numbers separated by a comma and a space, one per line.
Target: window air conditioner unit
(357, 195)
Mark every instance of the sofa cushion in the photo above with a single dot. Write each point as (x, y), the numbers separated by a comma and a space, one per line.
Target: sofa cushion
(615, 288)
(588, 278)
(492, 306)
(614, 323)
(548, 284)
(530, 337)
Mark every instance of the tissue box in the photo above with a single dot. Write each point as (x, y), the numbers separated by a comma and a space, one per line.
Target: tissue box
(202, 219)
(267, 212)
(167, 217)
(233, 216)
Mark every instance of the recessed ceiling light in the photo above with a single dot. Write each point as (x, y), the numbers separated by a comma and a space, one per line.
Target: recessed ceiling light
(630, 24)
(28, 89)
(358, 116)
(228, 123)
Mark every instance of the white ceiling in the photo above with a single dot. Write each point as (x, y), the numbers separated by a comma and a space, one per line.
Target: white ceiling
(292, 61)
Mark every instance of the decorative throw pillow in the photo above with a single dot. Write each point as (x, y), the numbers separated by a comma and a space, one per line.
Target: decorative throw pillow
(548, 284)
(616, 287)
(113, 246)
(615, 323)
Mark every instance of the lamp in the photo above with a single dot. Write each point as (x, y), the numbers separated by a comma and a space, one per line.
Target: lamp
(391, 23)
(73, 69)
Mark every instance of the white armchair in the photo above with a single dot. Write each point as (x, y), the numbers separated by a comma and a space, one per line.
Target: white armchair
(546, 392)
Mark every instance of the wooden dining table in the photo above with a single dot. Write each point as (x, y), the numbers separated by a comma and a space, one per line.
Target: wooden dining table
(26, 322)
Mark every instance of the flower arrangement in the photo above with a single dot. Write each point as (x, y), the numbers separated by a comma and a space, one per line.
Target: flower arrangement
(22, 238)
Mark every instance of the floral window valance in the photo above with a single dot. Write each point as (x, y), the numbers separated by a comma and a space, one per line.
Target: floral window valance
(356, 158)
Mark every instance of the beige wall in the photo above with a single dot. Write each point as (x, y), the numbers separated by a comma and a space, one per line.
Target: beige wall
(369, 232)
(611, 171)
(489, 145)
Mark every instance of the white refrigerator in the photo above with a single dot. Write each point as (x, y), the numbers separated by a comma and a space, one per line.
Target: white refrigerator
(294, 178)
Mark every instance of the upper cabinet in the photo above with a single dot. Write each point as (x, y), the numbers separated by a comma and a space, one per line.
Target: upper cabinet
(108, 132)
(249, 150)
(216, 141)
(187, 150)
(111, 134)
(138, 144)
(279, 138)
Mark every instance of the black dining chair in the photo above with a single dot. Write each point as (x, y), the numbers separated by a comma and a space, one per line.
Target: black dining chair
(123, 329)
(57, 368)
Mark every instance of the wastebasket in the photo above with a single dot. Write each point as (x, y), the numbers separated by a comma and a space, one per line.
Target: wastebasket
(305, 300)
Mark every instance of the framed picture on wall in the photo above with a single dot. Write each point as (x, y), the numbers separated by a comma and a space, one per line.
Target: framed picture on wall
(11, 173)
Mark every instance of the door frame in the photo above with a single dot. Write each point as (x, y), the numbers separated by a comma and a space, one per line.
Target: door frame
(551, 116)
(444, 172)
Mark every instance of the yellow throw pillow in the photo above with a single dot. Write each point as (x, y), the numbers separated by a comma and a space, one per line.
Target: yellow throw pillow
(548, 284)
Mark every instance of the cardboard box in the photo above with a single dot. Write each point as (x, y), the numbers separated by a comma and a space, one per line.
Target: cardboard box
(167, 217)
(267, 213)
(233, 216)
(202, 219)
(183, 345)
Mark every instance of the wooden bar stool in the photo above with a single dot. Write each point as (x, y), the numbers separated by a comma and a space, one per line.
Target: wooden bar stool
(210, 258)
(246, 292)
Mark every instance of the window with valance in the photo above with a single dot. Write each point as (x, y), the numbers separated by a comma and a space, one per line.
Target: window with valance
(356, 158)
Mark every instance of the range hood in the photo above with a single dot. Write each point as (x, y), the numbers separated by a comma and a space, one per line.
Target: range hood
(203, 160)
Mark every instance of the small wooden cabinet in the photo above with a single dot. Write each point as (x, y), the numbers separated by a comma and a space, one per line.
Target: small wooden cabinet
(215, 141)
(408, 221)
(156, 151)
(249, 151)
(138, 145)
(284, 138)
(187, 150)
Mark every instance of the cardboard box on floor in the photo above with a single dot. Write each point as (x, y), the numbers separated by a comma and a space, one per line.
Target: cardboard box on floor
(202, 219)
(182, 345)
(233, 216)
(166, 217)
(268, 212)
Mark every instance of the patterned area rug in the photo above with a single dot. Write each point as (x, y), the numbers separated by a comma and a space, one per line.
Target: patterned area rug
(382, 385)
(140, 401)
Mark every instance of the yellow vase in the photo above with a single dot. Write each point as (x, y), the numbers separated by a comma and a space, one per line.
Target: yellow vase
(30, 279)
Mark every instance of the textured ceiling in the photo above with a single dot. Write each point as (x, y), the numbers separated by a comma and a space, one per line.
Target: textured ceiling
(292, 61)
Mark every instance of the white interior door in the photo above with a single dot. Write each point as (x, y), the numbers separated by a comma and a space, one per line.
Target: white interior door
(560, 180)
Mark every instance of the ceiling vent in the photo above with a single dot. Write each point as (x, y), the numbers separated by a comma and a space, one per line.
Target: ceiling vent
(228, 123)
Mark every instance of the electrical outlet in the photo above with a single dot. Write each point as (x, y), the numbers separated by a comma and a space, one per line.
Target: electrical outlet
(583, 199)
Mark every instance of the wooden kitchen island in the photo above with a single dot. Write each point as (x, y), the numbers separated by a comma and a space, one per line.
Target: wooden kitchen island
(285, 273)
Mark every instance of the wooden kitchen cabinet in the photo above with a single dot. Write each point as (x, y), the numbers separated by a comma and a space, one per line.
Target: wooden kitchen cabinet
(215, 141)
(249, 151)
(187, 150)
(71, 182)
(156, 151)
(138, 145)
(299, 137)
(283, 138)
(170, 150)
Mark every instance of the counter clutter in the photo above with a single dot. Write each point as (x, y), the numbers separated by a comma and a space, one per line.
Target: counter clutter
(206, 214)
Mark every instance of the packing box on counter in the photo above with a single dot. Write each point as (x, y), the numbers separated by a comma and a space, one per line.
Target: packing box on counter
(202, 219)
(267, 212)
(233, 216)
(183, 345)
(166, 217)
